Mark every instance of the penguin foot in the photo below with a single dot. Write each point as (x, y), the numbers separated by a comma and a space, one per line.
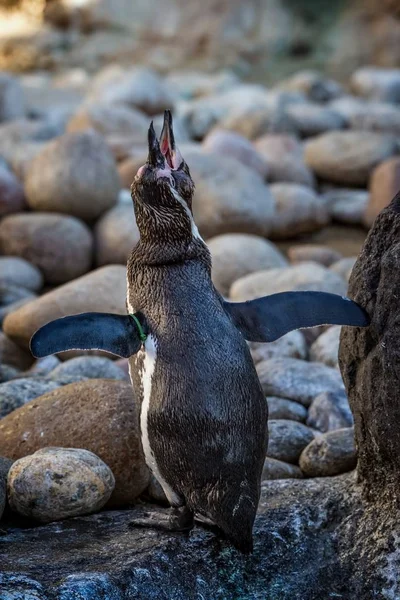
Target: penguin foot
(179, 519)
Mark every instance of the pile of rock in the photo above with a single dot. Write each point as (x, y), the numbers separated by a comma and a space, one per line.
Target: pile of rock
(270, 165)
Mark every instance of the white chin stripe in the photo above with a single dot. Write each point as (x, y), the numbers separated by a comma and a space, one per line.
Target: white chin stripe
(195, 231)
(148, 368)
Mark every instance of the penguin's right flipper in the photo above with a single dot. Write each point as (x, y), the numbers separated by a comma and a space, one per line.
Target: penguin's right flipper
(117, 334)
(269, 318)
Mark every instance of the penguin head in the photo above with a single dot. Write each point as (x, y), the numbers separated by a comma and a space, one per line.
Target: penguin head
(162, 190)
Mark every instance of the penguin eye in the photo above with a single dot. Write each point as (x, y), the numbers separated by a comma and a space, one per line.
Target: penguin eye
(173, 183)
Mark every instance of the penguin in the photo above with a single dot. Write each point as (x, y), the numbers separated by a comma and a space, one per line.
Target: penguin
(203, 414)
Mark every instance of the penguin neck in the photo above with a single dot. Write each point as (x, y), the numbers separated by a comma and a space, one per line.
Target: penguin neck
(158, 253)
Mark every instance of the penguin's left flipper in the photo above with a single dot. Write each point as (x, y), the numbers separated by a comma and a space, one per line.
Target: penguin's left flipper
(269, 318)
(118, 334)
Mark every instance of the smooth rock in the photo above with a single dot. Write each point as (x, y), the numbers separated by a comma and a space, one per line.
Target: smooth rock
(98, 415)
(19, 272)
(22, 157)
(284, 157)
(314, 85)
(11, 354)
(12, 197)
(287, 439)
(281, 408)
(5, 464)
(330, 411)
(277, 469)
(344, 267)
(298, 210)
(297, 379)
(12, 103)
(21, 132)
(156, 493)
(7, 373)
(304, 276)
(230, 143)
(235, 255)
(44, 366)
(254, 121)
(90, 367)
(74, 174)
(128, 167)
(57, 483)
(292, 344)
(102, 290)
(17, 392)
(377, 83)
(37, 238)
(376, 116)
(115, 235)
(383, 186)
(323, 255)
(202, 114)
(9, 308)
(137, 87)
(195, 84)
(229, 197)
(312, 119)
(109, 119)
(10, 294)
(330, 454)
(346, 205)
(325, 349)
(348, 157)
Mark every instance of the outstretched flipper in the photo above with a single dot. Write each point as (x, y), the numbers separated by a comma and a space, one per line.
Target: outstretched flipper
(122, 335)
(269, 318)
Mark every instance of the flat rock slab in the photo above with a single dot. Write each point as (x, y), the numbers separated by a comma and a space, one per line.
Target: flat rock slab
(101, 556)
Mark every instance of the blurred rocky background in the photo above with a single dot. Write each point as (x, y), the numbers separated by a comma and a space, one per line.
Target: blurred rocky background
(288, 114)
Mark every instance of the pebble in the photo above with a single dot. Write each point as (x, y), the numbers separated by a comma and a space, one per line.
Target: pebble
(109, 119)
(298, 210)
(98, 415)
(377, 83)
(12, 105)
(137, 87)
(74, 174)
(102, 290)
(128, 167)
(313, 84)
(12, 355)
(325, 349)
(330, 411)
(7, 373)
(43, 366)
(57, 483)
(376, 116)
(19, 272)
(383, 186)
(235, 255)
(12, 197)
(277, 469)
(304, 276)
(9, 308)
(230, 143)
(348, 157)
(156, 493)
(17, 392)
(323, 255)
(292, 344)
(10, 294)
(5, 464)
(194, 84)
(297, 379)
(91, 367)
(312, 119)
(115, 235)
(345, 205)
(284, 156)
(281, 408)
(254, 121)
(330, 454)
(229, 196)
(344, 267)
(59, 245)
(287, 439)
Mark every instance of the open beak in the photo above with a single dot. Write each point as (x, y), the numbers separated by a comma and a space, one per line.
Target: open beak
(155, 158)
(167, 143)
